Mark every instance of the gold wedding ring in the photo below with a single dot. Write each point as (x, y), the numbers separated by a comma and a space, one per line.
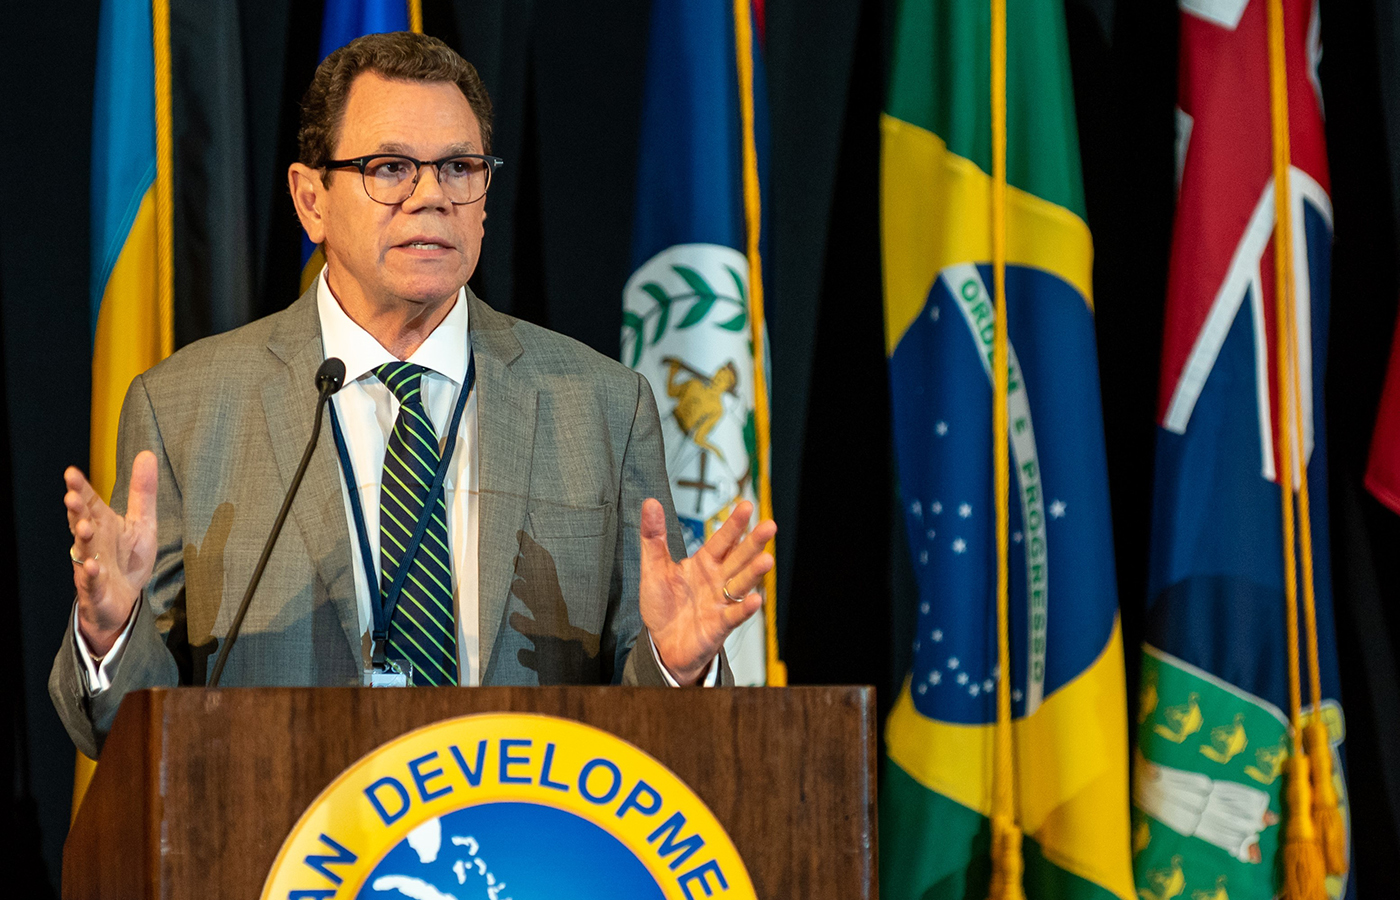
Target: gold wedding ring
(73, 555)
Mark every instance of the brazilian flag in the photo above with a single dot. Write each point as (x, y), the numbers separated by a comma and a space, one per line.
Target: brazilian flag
(1066, 656)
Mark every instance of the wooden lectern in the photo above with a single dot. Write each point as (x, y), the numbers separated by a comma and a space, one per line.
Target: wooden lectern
(198, 788)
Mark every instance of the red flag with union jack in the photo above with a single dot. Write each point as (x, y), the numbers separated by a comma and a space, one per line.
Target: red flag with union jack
(1213, 717)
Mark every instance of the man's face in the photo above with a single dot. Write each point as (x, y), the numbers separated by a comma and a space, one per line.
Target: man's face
(419, 251)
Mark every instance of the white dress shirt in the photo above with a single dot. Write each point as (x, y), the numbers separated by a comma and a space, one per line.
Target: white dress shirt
(366, 410)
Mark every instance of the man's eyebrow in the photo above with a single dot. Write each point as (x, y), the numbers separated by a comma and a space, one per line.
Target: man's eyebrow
(397, 149)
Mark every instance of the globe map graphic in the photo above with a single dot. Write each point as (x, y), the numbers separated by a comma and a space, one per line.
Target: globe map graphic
(509, 851)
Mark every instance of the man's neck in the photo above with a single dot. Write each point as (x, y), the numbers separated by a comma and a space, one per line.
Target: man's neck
(400, 327)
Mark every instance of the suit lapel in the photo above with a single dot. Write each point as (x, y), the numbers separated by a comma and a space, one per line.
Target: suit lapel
(506, 407)
(289, 404)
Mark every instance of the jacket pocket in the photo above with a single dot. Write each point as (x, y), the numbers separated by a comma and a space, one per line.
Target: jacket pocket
(554, 520)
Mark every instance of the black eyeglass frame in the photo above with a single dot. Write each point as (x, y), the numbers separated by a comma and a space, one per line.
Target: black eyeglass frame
(360, 162)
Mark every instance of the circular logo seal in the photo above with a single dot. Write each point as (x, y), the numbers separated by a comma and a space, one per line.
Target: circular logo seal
(507, 806)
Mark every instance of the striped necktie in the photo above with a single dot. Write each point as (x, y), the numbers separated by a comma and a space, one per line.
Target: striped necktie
(423, 629)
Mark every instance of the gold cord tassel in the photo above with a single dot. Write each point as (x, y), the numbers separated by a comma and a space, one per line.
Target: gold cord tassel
(1327, 818)
(1007, 864)
(1304, 875)
(1304, 869)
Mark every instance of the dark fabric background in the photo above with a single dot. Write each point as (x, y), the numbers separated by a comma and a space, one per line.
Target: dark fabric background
(566, 79)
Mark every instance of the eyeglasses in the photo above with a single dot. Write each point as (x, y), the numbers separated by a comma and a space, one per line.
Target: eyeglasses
(392, 179)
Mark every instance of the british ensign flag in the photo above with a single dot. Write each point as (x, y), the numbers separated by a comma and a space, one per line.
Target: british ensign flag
(1215, 593)
(1215, 604)
(1222, 249)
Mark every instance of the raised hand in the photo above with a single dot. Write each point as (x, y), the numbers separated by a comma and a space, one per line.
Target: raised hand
(684, 604)
(117, 553)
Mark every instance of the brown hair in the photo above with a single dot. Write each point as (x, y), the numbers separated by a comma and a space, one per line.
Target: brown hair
(400, 55)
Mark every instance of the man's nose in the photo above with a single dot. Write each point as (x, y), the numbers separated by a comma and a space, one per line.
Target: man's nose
(427, 190)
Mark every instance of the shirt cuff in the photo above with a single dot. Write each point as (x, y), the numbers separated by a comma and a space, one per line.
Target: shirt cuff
(99, 671)
(711, 677)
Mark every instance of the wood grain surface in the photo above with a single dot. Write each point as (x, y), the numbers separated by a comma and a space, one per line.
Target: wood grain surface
(197, 789)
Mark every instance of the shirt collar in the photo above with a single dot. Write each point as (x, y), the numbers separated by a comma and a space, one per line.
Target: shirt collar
(444, 351)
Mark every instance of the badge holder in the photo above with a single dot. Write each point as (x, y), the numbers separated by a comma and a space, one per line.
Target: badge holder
(385, 672)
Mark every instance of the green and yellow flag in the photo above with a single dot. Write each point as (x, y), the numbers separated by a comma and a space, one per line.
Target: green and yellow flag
(1014, 713)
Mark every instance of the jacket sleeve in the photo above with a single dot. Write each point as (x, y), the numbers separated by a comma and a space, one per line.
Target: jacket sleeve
(147, 660)
(643, 476)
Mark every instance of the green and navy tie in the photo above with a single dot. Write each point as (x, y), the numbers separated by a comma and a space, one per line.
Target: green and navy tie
(423, 629)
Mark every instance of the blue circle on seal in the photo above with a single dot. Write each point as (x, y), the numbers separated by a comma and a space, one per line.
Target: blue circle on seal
(509, 851)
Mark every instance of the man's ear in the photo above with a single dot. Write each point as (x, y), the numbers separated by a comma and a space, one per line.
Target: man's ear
(307, 196)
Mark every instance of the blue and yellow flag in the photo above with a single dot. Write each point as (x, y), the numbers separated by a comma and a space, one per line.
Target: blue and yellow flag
(341, 22)
(132, 224)
(132, 261)
(1069, 760)
(692, 318)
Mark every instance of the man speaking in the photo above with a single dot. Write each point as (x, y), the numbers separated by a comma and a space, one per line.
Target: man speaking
(492, 504)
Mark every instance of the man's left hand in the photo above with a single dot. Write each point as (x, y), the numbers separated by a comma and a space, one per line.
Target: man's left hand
(684, 604)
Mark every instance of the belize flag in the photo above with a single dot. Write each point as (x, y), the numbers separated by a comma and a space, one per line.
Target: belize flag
(1066, 675)
(1212, 721)
(686, 321)
(341, 22)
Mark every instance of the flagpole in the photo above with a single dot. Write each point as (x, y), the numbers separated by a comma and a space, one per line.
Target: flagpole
(775, 670)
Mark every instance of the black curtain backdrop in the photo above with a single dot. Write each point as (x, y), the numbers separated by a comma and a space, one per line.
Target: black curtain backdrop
(566, 78)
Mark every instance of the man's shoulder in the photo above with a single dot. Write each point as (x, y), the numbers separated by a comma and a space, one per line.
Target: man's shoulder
(231, 356)
(548, 354)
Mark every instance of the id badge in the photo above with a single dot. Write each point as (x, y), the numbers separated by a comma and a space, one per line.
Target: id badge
(394, 673)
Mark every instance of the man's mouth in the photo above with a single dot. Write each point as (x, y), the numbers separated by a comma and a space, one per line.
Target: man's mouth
(424, 245)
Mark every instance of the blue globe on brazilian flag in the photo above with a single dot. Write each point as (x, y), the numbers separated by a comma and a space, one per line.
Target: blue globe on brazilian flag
(1066, 656)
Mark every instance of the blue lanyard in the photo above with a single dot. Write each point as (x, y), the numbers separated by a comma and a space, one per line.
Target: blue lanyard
(388, 599)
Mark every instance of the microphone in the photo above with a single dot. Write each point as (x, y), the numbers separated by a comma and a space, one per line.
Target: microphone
(329, 378)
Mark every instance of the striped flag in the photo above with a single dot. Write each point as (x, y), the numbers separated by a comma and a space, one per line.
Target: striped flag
(692, 318)
(341, 22)
(132, 261)
(1068, 765)
(132, 253)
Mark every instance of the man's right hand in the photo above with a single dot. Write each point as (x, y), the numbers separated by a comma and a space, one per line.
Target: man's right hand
(118, 553)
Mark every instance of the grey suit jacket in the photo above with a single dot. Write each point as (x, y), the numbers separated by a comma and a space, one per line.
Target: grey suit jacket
(570, 446)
